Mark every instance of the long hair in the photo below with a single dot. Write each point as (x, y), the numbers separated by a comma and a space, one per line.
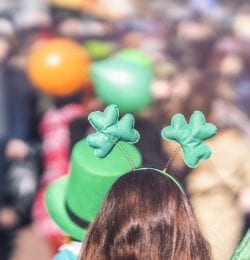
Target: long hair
(145, 216)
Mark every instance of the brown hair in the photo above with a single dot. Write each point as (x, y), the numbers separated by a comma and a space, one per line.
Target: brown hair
(145, 216)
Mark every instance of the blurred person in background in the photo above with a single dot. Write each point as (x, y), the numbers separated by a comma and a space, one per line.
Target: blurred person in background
(218, 187)
(77, 25)
(193, 42)
(26, 13)
(229, 65)
(83, 20)
(19, 151)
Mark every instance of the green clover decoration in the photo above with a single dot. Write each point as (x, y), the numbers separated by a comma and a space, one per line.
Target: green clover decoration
(110, 130)
(191, 136)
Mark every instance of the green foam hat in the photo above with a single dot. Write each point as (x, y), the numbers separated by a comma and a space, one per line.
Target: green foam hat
(74, 200)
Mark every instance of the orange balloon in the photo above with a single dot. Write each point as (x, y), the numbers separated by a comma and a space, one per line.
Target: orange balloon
(59, 67)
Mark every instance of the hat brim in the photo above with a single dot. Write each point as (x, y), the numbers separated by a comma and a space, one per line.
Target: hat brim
(55, 204)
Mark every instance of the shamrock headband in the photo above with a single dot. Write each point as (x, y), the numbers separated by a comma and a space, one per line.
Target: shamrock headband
(110, 130)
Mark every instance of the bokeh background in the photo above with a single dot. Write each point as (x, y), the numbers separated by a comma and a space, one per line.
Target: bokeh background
(61, 59)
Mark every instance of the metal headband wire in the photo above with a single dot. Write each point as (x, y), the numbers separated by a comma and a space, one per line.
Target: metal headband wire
(164, 171)
(130, 159)
(170, 160)
(167, 175)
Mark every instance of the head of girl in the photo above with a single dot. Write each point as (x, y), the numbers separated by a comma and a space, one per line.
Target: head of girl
(145, 215)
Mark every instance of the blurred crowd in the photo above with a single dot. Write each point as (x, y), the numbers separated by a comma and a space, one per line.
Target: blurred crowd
(199, 54)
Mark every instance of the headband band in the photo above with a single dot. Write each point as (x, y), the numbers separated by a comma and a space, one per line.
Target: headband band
(190, 136)
(167, 175)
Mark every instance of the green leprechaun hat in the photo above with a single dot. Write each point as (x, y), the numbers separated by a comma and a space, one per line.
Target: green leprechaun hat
(96, 163)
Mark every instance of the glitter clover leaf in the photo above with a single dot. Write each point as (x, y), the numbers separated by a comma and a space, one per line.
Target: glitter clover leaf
(109, 130)
(191, 136)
